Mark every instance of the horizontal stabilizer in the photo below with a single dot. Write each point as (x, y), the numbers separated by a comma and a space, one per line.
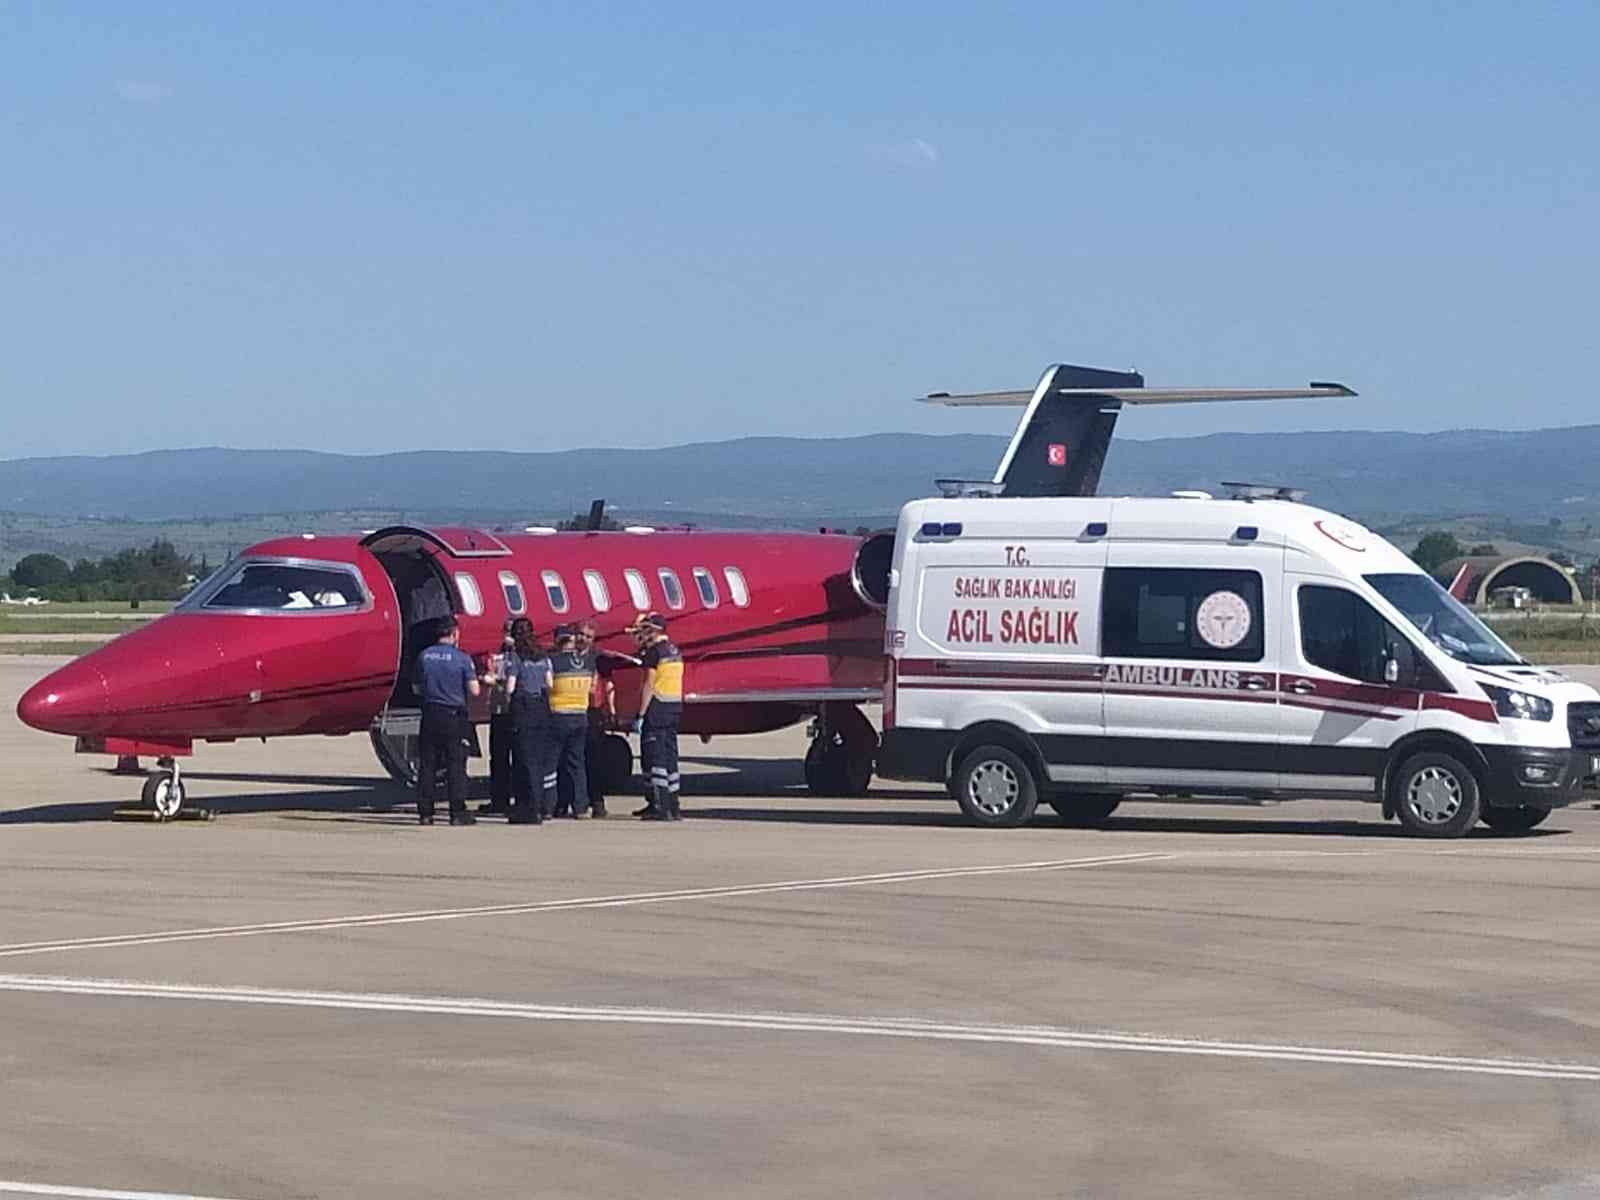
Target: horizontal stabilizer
(1140, 395)
(1061, 440)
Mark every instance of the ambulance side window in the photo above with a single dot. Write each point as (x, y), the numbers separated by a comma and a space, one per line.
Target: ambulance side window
(1164, 612)
(1342, 633)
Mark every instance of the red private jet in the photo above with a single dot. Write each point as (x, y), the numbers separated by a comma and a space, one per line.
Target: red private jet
(316, 634)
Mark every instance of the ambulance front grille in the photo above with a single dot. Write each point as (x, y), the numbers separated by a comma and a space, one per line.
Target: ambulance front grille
(1583, 725)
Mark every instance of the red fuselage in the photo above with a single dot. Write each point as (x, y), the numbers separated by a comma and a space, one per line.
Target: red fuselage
(317, 634)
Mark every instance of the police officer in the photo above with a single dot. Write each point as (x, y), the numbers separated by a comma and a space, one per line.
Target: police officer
(528, 690)
(446, 678)
(572, 674)
(660, 711)
(502, 733)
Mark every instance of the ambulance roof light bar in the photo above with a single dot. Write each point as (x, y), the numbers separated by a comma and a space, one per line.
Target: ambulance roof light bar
(1263, 491)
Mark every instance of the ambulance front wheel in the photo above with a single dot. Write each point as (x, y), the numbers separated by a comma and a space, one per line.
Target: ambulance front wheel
(995, 788)
(1081, 811)
(1435, 795)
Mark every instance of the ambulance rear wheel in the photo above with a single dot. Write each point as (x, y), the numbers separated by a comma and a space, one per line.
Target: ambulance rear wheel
(1081, 811)
(995, 788)
(163, 795)
(1435, 795)
(1514, 820)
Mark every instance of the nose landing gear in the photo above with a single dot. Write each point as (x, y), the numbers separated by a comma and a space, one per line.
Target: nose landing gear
(165, 798)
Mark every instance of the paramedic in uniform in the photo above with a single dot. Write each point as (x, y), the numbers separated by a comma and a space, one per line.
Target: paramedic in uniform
(571, 680)
(528, 690)
(660, 710)
(445, 677)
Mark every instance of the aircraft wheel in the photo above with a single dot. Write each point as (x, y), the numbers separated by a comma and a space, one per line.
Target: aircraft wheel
(616, 764)
(842, 754)
(164, 795)
(397, 754)
(835, 768)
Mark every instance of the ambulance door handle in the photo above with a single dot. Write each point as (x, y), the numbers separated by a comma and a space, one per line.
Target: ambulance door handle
(1255, 684)
(1301, 686)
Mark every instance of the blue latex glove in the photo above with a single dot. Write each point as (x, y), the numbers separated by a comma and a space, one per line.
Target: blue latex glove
(637, 726)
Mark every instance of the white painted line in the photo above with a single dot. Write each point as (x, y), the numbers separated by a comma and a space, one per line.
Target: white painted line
(626, 900)
(1051, 1037)
(12, 1187)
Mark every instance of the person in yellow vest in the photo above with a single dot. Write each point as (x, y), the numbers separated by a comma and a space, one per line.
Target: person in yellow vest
(572, 672)
(660, 712)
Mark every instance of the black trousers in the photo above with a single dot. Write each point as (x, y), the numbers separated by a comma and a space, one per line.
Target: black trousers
(503, 743)
(535, 761)
(443, 744)
(570, 733)
(594, 765)
(658, 757)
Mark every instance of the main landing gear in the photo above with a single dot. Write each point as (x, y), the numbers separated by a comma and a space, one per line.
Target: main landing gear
(843, 752)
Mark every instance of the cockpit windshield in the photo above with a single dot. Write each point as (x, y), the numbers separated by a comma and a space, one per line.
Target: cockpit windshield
(1444, 620)
(267, 586)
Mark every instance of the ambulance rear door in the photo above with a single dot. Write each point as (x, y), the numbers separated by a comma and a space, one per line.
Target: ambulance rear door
(1006, 630)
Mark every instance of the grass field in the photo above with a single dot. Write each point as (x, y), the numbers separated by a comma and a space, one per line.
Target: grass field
(65, 649)
(149, 608)
(85, 625)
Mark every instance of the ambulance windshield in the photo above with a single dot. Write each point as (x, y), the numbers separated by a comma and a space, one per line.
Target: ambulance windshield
(1444, 620)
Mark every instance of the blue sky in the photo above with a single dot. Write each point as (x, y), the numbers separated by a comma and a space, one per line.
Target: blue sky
(369, 227)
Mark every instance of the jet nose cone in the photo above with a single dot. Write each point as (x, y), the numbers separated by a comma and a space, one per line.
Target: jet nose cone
(70, 700)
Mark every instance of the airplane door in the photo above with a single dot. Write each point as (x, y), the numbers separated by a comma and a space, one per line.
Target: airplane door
(1340, 713)
(1189, 700)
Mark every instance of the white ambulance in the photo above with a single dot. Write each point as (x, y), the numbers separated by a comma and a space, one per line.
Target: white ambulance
(1079, 650)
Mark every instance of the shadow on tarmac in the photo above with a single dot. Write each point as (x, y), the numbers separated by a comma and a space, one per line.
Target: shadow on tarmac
(365, 800)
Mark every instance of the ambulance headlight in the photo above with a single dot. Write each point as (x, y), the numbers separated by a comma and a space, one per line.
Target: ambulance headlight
(1519, 705)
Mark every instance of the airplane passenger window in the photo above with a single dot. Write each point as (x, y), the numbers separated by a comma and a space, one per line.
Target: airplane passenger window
(638, 590)
(599, 594)
(706, 586)
(670, 587)
(471, 597)
(511, 587)
(286, 587)
(555, 591)
(738, 590)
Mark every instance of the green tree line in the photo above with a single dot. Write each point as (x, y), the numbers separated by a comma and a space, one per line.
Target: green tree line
(153, 572)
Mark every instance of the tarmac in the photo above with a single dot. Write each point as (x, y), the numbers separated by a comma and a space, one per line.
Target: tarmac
(312, 996)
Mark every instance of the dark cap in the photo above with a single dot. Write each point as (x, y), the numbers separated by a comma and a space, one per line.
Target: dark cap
(563, 632)
(445, 627)
(649, 620)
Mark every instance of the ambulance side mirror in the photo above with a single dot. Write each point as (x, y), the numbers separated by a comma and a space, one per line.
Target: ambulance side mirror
(1391, 671)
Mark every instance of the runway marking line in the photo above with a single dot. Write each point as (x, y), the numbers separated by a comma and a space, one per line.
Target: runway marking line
(626, 900)
(1050, 1037)
(13, 1187)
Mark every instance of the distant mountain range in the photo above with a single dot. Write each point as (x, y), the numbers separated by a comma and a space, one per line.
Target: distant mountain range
(797, 481)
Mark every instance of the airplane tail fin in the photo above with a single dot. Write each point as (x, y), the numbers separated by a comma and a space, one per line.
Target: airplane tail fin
(1060, 444)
